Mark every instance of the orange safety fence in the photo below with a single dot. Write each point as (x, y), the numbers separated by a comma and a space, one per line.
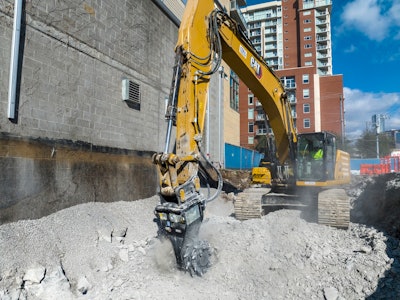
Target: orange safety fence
(387, 164)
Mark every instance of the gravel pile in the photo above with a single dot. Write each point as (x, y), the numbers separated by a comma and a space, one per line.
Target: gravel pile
(109, 251)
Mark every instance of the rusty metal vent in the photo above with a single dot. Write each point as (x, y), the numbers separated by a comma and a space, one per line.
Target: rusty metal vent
(131, 93)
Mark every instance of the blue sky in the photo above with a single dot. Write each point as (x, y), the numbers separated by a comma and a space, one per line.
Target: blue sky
(366, 51)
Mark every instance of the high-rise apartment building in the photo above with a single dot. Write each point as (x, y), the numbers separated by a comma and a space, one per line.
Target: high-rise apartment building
(294, 37)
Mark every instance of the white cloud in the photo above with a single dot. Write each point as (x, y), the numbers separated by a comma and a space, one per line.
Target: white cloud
(361, 106)
(350, 49)
(394, 12)
(370, 18)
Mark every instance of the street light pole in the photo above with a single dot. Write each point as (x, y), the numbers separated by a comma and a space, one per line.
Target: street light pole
(342, 119)
(377, 145)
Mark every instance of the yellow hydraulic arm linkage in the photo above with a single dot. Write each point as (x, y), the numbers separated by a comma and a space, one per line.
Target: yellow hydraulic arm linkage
(206, 36)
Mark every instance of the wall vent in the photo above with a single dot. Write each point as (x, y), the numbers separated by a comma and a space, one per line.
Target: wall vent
(131, 93)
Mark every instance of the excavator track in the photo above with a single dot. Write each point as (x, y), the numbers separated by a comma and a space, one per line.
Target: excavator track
(248, 203)
(334, 208)
(333, 205)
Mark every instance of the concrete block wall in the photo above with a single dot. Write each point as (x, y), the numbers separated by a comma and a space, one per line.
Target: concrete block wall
(74, 56)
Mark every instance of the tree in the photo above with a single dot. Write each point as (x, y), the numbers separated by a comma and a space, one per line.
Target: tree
(366, 144)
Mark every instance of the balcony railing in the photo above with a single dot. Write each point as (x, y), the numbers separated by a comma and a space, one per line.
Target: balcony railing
(262, 131)
(322, 47)
(236, 14)
(317, 3)
(260, 118)
(290, 86)
(322, 56)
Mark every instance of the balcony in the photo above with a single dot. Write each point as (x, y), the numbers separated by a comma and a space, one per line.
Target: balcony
(290, 86)
(236, 14)
(322, 38)
(272, 46)
(323, 56)
(272, 62)
(270, 39)
(260, 118)
(269, 31)
(269, 54)
(321, 13)
(322, 29)
(321, 22)
(292, 99)
(262, 131)
(323, 64)
(322, 47)
(270, 23)
(254, 26)
(317, 3)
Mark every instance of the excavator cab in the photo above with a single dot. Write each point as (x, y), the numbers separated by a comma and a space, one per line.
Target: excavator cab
(316, 155)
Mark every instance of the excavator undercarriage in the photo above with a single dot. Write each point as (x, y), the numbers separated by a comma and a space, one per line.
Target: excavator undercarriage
(328, 207)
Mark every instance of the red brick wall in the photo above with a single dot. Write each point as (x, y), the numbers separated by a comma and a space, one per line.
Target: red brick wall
(331, 88)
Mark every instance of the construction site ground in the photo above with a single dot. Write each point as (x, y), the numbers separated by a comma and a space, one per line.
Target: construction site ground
(110, 251)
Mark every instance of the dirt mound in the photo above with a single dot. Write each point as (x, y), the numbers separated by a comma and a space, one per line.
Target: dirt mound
(376, 202)
(110, 251)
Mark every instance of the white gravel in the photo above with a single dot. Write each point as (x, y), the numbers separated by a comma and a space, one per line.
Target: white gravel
(109, 251)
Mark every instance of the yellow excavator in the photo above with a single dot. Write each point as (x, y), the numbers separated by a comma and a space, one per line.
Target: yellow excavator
(207, 35)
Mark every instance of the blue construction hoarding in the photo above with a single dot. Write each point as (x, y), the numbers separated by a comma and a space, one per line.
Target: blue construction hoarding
(241, 158)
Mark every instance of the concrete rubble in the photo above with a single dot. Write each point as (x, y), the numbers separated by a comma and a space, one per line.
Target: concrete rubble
(110, 251)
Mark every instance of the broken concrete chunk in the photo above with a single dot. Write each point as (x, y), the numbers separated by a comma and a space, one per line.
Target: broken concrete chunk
(104, 234)
(366, 249)
(35, 275)
(119, 232)
(142, 250)
(124, 254)
(330, 293)
(83, 285)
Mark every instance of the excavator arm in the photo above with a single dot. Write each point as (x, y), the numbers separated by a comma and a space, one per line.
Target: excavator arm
(206, 36)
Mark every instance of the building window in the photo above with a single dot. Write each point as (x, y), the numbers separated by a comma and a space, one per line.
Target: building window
(234, 92)
(306, 123)
(307, 13)
(251, 99)
(306, 93)
(289, 82)
(308, 63)
(308, 54)
(306, 78)
(250, 140)
(308, 38)
(250, 114)
(306, 21)
(307, 29)
(251, 127)
(307, 46)
(306, 108)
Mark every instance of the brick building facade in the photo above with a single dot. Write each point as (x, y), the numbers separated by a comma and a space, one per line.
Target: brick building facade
(294, 37)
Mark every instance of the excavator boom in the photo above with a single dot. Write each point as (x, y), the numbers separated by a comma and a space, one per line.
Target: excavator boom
(206, 36)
